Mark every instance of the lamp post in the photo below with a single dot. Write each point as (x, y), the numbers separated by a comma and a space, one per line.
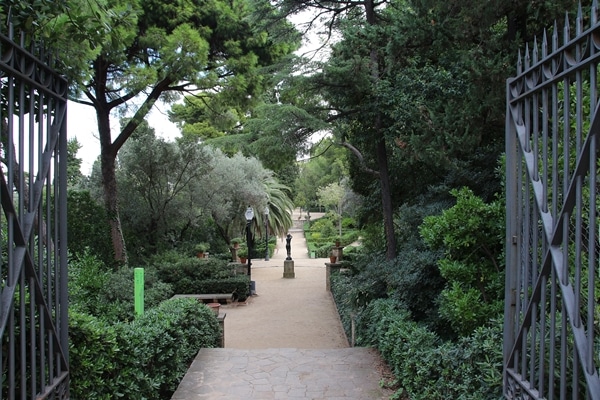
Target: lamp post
(249, 217)
(267, 233)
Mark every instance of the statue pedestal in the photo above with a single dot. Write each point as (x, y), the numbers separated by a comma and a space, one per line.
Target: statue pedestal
(288, 269)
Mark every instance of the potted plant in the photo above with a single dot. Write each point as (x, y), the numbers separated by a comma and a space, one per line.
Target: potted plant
(200, 249)
(235, 243)
(243, 254)
(332, 258)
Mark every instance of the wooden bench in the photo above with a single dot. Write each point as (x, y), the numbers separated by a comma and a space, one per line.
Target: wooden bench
(208, 298)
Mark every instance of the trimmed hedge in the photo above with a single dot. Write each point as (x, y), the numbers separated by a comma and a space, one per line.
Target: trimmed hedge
(197, 276)
(238, 285)
(144, 359)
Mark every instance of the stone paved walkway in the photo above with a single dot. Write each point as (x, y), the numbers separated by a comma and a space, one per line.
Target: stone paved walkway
(285, 343)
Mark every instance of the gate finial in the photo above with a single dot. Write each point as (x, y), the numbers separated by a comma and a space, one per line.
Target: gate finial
(567, 31)
(579, 20)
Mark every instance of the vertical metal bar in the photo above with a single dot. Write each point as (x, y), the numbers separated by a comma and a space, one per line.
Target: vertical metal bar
(511, 236)
(563, 312)
(62, 238)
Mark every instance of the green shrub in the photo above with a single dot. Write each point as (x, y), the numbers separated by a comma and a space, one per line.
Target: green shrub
(193, 268)
(427, 367)
(93, 355)
(87, 279)
(144, 359)
(116, 296)
(164, 341)
(471, 235)
(238, 285)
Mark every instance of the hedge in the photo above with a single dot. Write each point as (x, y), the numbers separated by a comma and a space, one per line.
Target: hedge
(144, 359)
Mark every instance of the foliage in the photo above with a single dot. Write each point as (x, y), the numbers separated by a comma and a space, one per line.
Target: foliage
(471, 235)
(425, 366)
(144, 359)
(411, 279)
(195, 276)
(159, 186)
(87, 279)
(87, 228)
(106, 294)
(94, 355)
(321, 234)
(328, 164)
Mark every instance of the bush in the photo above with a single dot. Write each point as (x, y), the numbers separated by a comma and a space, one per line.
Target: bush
(109, 295)
(117, 300)
(427, 367)
(144, 359)
(87, 279)
(93, 356)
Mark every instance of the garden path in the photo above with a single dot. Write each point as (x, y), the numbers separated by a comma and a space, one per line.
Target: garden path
(286, 342)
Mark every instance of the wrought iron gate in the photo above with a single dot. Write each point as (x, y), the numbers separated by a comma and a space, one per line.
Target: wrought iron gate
(552, 312)
(33, 246)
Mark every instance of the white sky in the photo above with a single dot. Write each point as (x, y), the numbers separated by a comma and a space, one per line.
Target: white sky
(81, 120)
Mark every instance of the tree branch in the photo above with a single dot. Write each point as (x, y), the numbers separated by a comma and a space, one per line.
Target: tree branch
(360, 157)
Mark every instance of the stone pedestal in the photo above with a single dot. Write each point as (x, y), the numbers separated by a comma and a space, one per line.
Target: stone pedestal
(288, 269)
(221, 319)
(330, 267)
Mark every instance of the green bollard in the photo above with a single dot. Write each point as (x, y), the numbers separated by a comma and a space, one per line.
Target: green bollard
(138, 292)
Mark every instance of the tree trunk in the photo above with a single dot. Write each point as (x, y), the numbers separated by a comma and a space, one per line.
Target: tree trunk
(381, 151)
(109, 185)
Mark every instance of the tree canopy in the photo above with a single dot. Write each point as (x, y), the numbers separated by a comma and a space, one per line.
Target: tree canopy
(218, 51)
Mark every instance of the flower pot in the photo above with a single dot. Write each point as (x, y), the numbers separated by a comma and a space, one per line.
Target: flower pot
(332, 259)
(243, 260)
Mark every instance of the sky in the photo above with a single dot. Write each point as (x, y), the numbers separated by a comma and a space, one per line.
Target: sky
(81, 120)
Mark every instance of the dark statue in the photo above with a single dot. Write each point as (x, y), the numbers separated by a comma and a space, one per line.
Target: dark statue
(288, 246)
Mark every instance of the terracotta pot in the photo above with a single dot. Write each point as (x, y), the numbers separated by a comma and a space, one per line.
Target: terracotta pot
(243, 260)
(332, 259)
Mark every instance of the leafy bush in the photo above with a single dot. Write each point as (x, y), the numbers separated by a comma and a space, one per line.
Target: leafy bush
(93, 356)
(109, 294)
(117, 299)
(427, 367)
(193, 268)
(471, 235)
(144, 359)
(87, 279)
